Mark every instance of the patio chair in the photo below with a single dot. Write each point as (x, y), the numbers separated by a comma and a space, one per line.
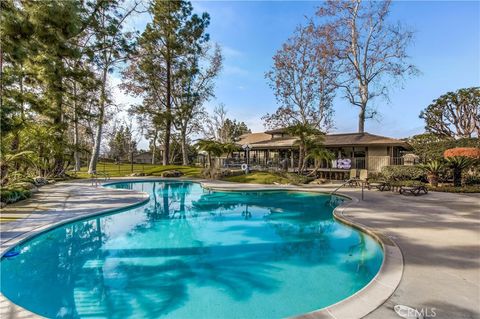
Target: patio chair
(363, 178)
(414, 190)
(380, 185)
(352, 180)
(363, 175)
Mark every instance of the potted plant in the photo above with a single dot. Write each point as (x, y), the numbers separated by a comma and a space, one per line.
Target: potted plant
(434, 169)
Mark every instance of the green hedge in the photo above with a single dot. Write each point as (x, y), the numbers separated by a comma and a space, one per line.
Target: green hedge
(12, 195)
(471, 180)
(403, 173)
(453, 189)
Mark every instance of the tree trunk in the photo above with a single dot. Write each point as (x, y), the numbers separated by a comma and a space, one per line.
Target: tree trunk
(16, 135)
(184, 147)
(59, 160)
(300, 159)
(92, 168)
(168, 122)
(3, 174)
(209, 156)
(76, 153)
(131, 159)
(361, 120)
(154, 147)
(457, 177)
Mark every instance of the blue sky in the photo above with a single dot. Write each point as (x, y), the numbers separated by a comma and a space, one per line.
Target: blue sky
(446, 50)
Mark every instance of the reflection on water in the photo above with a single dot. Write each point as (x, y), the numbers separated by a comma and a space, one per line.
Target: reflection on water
(194, 253)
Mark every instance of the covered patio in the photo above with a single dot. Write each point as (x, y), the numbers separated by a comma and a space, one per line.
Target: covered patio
(275, 149)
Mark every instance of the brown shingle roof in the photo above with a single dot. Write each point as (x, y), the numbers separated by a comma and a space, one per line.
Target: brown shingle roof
(253, 138)
(279, 142)
(263, 140)
(276, 131)
(349, 139)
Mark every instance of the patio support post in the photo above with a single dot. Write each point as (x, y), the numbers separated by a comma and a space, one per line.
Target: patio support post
(366, 157)
(353, 158)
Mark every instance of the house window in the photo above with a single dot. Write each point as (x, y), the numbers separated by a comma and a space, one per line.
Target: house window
(359, 153)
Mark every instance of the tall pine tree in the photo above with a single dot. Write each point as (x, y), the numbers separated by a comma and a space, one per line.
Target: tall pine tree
(174, 34)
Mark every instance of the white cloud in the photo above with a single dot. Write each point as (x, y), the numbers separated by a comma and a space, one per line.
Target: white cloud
(230, 52)
(234, 70)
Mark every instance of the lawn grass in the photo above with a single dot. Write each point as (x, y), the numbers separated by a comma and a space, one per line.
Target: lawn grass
(125, 170)
(188, 171)
(121, 170)
(258, 178)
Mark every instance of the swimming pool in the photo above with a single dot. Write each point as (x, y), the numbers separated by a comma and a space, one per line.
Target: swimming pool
(194, 253)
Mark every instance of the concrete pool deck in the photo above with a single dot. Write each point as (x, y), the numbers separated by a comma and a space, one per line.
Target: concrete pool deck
(438, 234)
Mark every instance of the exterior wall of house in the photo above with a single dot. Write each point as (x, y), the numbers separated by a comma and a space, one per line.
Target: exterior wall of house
(378, 151)
(143, 158)
(378, 157)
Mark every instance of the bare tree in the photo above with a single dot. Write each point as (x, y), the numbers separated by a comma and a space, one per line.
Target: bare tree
(303, 80)
(193, 88)
(454, 114)
(214, 127)
(371, 52)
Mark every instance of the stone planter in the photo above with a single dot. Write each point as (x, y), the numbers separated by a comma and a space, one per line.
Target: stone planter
(433, 179)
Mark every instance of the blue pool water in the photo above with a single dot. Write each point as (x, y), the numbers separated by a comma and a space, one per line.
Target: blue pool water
(194, 253)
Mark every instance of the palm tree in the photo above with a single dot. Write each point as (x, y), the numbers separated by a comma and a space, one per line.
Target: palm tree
(308, 137)
(229, 148)
(7, 160)
(458, 164)
(433, 169)
(319, 154)
(212, 148)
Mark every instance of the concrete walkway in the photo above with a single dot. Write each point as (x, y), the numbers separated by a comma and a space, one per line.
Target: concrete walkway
(57, 203)
(439, 235)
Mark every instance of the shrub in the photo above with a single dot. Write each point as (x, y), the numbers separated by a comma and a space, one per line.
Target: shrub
(211, 173)
(6, 195)
(295, 178)
(24, 185)
(217, 173)
(403, 172)
(27, 180)
(453, 189)
(232, 172)
(172, 173)
(299, 179)
(472, 180)
(375, 176)
(407, 183)
(12, 195)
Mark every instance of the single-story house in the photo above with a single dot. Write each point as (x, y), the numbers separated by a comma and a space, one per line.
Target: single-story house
(275, 148)
(146, 157)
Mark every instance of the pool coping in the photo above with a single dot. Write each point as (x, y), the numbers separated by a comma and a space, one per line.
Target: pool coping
(358, 305)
